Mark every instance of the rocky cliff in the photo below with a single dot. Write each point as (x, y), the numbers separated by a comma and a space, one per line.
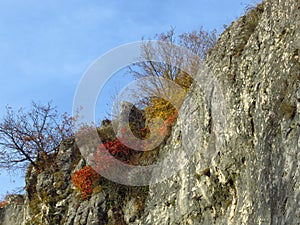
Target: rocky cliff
(242, 152)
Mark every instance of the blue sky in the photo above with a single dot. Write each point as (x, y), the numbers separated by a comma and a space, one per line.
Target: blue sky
(45, 46)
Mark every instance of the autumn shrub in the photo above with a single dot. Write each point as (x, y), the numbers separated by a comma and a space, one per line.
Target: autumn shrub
(170, 79)
(184, 80)
(119, 147)
(116, 147)
(132, 143)
(161, 108)
(85, 180)
(102, 158)
(164, 129)
(3, 203)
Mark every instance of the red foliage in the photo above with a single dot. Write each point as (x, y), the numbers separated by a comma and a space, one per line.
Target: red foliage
(171, 119)
(169, 123)
(3, 204)
(85, 180)
(102, 159)
(116, 147)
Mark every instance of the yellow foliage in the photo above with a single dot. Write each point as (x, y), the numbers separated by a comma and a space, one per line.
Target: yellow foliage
(162, 108)
(184, 80)
(159, 108)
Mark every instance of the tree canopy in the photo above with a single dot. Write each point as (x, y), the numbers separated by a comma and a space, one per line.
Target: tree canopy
(178, 66)
(32, 136)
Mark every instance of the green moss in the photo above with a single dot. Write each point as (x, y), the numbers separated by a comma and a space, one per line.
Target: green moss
(97, 189)
(59, 179)
(287, 110)
(34, 205)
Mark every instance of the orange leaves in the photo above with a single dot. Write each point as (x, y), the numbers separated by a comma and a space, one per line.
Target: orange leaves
(102, 158)
(85, 180)
(116, 147)
(106, 159)
(171, 119)
(3, 204)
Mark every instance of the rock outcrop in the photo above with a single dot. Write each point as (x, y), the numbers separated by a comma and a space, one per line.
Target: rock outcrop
(254, 177)
(244, 170)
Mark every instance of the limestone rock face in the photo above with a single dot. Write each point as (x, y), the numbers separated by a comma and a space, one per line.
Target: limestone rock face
(237, 143)
(254, 176)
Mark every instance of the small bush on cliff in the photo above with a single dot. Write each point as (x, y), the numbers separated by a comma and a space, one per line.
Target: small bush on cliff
(3, 203)
(85, 180)
(118, 148)
(178, 66)
(160, 108)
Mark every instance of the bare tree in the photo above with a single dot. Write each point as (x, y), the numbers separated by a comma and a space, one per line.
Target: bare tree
(197, 42)
(32, 136)
(178, 65)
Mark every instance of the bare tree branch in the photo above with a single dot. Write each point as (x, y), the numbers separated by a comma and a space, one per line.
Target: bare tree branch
(179, 66)
(28, 137)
